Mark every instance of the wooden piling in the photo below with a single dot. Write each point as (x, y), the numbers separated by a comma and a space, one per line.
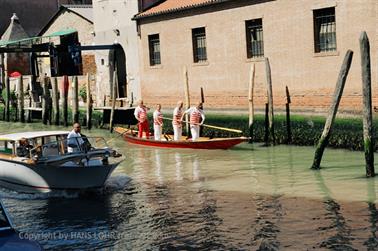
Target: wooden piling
(2, 70)
(65, 86)
(29, 112)
(251, 109)
(75, 100)
(114, 86)
(20, 100)
(7, 101)
(45, 101)
(288, 123)
(323, 141)
(187, 98)
(367, 109)
(266, 136)
(272, 138)
(202, 107)
(55, 100)
(89, 103)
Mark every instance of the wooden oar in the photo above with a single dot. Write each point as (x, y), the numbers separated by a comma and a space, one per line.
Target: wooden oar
(214, 127)
(119, 135)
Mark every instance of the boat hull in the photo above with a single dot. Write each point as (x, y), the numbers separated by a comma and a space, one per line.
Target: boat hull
(225, 143)
(45, 178)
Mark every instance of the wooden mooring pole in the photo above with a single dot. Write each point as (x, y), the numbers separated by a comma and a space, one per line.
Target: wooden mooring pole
(45, 101)
(55, 100)
(202, 107)
(7, 101)
(272, 138)
(323, 141)
(114, 86)
(266, 136)
(367, 110)
(288, 123)
(187, 98)
(75, 100)
(89, 103)
(20, 100)
(65, 86)
(251, 88)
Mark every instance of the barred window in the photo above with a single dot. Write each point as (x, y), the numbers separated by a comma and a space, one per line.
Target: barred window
(154, 46)
(199, 44)
(255, 39)
(325, 30)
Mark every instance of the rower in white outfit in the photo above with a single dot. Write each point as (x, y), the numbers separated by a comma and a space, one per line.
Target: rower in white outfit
(158, 122)
(195, 114)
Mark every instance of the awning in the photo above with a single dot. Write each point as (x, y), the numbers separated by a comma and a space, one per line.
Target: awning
(30, 40)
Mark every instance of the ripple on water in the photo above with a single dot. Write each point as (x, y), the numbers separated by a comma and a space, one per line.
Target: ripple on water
(247, 198)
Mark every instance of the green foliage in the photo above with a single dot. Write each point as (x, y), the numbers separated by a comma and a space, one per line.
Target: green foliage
(306, 130)
(83, 93)
(13, 96)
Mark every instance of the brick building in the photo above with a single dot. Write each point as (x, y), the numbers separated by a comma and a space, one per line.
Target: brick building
(219, 40)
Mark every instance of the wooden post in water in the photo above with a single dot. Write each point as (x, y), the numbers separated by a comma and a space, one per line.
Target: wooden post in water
(202, 107)
(28, 114)
(266, 136)
(20, 100)
(45, 100)
(272, 138)
(251, 109)
(187, 98)
(7, 101)
(89, 103)
(367, 110)
(288, 123)
(323, 141)
(75, 100)
(55, 100)
(65, 86)
(114, 86)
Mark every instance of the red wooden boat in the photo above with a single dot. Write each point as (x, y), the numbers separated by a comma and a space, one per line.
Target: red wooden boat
(201, 143)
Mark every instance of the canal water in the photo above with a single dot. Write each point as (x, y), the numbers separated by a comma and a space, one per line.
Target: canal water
(247, 198)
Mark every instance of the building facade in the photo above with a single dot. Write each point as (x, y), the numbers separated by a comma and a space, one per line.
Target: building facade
(80, 18)
(218, 41)
(113, 25)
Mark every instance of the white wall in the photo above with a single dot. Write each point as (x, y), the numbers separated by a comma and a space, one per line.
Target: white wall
(116, 15)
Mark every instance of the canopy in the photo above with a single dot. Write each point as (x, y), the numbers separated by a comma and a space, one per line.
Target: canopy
(30, 135)
(33, 39)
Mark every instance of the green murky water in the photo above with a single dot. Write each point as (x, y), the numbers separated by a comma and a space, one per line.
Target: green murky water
(246, 198)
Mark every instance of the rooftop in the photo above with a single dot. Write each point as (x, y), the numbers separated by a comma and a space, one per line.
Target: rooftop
(14, 31)
(170, 6)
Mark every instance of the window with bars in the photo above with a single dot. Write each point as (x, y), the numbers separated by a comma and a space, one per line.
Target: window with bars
(154, 46)
(324, 30)
(255, 39)
(199, 44)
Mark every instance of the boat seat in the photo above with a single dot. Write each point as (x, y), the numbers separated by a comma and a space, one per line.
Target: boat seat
(50, 150)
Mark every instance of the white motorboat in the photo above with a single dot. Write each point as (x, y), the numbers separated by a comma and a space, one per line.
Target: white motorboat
(49, 161)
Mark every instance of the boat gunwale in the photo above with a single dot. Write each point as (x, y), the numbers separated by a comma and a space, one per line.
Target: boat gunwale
(201, 144)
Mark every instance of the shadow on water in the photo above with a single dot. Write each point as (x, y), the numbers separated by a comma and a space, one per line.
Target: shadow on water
(342, 238)
(372, 242)
(183, 220)
(268, 214)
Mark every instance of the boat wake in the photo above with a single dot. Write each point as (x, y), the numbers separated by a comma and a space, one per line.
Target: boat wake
(10, 194)
(116, 183)
(113, 184)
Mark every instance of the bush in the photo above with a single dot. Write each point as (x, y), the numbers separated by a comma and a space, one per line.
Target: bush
(83, 93)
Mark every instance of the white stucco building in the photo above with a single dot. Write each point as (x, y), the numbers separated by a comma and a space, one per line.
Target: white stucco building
(113, 25)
